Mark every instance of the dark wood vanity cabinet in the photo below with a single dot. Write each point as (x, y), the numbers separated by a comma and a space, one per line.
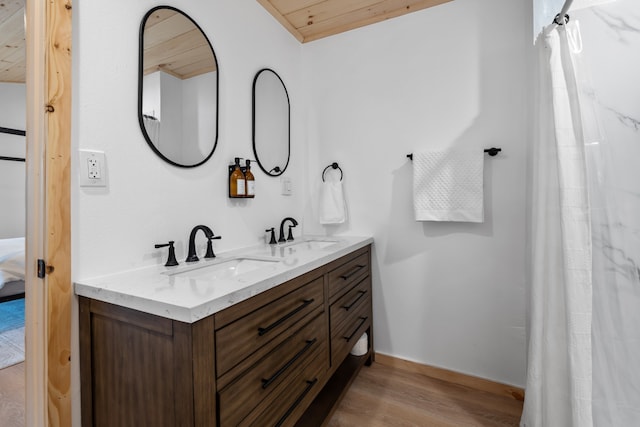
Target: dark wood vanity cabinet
(280, 358)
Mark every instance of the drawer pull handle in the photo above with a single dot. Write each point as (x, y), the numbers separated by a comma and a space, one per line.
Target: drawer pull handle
(306, 391)
(268, 381)
(362, 320)
(356, 269)
(361, 294)
(262, 331)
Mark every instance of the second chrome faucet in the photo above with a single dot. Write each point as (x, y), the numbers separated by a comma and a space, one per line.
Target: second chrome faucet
(191, 256)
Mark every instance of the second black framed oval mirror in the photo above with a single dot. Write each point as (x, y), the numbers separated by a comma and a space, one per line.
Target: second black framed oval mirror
(177, 88)
(271, 122)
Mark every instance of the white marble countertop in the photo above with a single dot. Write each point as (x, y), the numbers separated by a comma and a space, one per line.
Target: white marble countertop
(189, 292)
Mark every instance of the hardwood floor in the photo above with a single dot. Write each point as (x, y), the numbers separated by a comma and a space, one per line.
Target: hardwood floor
(381, 396)
(390, 396)
(12, 398)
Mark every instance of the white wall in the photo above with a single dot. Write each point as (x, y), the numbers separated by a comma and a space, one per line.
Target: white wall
(171, 129)
(199, 105)
(148, 201)
(445, 294)
(12, 174)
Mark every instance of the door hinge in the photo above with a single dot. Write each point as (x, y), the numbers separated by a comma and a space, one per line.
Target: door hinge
(44, 269)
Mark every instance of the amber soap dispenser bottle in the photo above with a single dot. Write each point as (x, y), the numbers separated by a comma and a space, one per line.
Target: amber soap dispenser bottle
(250, 181)
(237, 181)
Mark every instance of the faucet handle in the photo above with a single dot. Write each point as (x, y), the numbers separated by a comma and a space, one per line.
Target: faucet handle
(210, 253)
(290, 237)
(171, 259)
(272, 241)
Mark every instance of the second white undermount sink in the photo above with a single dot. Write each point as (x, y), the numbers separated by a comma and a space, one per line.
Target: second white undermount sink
(311, 244)
(223, 269)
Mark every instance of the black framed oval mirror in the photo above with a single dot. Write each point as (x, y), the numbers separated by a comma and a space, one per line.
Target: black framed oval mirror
(271, 122)
(177, 88)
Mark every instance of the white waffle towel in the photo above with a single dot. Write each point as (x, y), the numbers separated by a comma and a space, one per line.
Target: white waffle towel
(448, 185)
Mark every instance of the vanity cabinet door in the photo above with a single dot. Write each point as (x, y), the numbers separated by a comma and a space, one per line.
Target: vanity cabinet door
(139, 369)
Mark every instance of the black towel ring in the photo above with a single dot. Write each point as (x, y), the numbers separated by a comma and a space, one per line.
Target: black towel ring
(333, 165)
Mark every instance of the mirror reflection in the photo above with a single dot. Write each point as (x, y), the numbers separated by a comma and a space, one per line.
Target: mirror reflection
(178, 88)
(271, 122)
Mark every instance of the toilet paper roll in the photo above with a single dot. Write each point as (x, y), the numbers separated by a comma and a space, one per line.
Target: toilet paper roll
(362, 346)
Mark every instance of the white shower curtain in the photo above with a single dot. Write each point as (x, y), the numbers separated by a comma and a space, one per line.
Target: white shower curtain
(559, 376)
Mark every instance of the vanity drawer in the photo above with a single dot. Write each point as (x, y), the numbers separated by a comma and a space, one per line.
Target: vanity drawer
(274, 372)
(291, 401)
(345, 335)
(348, 273)
(261, 330)
(350, 302)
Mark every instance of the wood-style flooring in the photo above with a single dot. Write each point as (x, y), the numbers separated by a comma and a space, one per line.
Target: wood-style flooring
(381, 396)
(12, 396)
(387, 396)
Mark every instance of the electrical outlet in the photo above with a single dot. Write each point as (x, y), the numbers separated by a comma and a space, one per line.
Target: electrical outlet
(92, 169)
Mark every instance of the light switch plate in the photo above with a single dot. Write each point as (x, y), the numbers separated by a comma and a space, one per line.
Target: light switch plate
(93, 169)
(285, 182)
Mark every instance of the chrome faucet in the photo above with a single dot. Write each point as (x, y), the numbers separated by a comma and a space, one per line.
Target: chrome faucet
(290, 237)
(191, 256)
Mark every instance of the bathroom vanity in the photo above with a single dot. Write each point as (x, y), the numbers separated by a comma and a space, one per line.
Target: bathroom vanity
(218, 345)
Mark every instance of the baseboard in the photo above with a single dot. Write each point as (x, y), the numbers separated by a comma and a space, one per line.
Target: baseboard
(452, 377)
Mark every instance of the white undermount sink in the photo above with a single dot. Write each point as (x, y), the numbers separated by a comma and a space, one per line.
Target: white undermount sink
(310, 244)
(283, 250)
(223, 269)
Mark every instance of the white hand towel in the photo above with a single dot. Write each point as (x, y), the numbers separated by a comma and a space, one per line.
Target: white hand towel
(333, 208)
(448, 185)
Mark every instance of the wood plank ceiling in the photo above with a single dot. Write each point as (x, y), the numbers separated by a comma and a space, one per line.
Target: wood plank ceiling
(310, 20)
(307, 20)
(12, 41)
(174, 45)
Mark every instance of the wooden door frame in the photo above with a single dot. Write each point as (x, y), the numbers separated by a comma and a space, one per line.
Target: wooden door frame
(48, 223)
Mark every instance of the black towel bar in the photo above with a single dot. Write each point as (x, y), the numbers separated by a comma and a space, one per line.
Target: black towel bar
(490, 151)
(13, 131)
(333, 165)
(12, 159)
